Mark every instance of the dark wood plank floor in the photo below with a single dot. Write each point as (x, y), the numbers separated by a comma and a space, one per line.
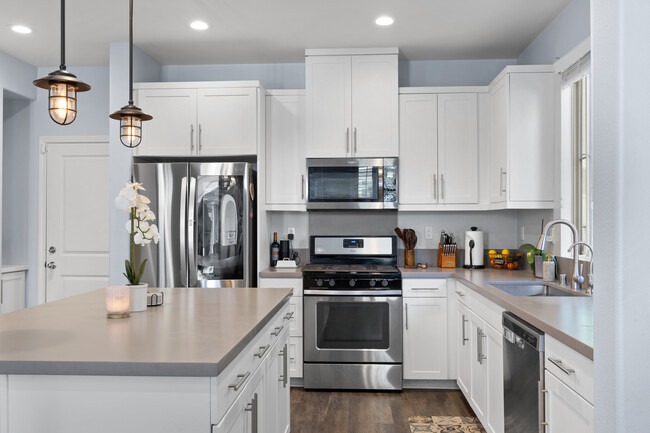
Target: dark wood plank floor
(370, 412)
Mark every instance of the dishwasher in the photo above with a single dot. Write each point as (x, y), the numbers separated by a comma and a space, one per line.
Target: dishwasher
(523, 376)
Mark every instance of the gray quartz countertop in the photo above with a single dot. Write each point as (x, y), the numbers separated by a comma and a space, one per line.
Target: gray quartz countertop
(196, 332)
(281, 273)
(569, 320)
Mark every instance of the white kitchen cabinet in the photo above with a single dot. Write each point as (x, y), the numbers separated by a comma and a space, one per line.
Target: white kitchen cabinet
(285, 150)
(276, 408)
(438, 148)
(425, 338)
(522, 138)
(294, 319)
(200, 119)
(463, 359)
(478, 366)
(352, 103)
(12, 291)
(494, 359)
(566, 411)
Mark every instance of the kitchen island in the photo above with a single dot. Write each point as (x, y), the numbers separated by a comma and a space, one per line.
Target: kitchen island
(194, 364)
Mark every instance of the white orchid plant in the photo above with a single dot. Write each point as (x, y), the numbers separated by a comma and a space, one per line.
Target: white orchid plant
(141, 230)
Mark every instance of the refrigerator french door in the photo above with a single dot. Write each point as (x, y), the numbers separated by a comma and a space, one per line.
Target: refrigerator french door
(206, 217)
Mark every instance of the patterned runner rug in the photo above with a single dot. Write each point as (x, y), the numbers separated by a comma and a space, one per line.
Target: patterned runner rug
(445, 424)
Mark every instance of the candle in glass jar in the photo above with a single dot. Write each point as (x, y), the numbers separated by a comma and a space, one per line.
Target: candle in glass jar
(117, 301)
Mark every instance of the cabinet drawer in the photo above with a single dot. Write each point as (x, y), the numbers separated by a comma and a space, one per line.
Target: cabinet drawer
(573, 369)
(424, 288)
(462, 292)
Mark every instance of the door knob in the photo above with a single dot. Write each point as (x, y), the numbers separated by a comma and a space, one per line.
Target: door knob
(51, 265)
(52, 250)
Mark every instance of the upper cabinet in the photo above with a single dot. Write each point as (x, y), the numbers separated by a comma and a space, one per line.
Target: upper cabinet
(439, 139)
(520, 170)
(285, 150)
(200, 119)
(352, 103)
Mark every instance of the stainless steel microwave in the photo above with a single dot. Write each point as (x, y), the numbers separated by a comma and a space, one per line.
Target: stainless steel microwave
(352, 183)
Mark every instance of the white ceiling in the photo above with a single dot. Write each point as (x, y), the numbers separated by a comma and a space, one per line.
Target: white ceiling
(273, 31)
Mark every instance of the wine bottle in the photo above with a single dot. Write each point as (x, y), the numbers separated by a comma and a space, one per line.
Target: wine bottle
(275, 250)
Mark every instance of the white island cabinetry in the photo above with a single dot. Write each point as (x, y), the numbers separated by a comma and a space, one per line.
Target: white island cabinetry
(12, 289)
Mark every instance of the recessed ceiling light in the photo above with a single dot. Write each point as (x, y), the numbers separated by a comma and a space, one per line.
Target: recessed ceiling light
(199, 25)
(384, 20)
(21, 29)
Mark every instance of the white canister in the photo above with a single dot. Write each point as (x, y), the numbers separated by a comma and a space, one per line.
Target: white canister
(138, 297)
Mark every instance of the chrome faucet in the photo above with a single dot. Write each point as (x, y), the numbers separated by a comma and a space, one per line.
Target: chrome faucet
(577, 279)
(590, 278)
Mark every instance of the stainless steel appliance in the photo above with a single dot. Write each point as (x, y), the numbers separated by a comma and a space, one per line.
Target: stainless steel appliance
(523, 376)
(352, 314)
(352, 183)
(206, 216)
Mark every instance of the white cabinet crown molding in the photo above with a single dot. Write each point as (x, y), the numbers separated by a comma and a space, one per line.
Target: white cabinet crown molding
(350, 51)
(442, 89)
(197, 84)
(520, 69)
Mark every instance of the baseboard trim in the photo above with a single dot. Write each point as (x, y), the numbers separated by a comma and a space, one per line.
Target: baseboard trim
(296, 382)
(429, 384)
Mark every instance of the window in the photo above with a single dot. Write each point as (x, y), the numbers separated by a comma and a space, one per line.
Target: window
(576, 191)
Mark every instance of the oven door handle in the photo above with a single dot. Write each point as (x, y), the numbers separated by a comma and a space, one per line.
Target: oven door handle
(353, 292)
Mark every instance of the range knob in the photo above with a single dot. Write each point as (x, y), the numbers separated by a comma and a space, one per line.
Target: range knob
(319, 282)
(384, 283)
(332, 283)
(372, 283)
(352, 283)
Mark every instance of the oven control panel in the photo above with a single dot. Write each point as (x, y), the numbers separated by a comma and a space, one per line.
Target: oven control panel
(346, 283)
(352, 243)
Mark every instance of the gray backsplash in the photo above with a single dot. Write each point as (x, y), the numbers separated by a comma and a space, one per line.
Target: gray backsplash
(358, 223)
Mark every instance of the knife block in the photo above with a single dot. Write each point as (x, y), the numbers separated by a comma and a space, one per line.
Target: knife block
(447, 259)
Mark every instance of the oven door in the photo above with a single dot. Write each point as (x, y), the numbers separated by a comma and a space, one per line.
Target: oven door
(353, 329)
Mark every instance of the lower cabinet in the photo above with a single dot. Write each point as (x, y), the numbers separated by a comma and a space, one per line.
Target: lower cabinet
(12, 291)
(566, 411)
(276, 407)
(480, 363)
(425, 338)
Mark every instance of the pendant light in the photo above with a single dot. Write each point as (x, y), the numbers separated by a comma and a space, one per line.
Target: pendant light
(130, 116)
(62, 85)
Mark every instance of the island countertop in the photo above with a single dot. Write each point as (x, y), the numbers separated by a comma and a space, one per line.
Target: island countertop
(196, 332)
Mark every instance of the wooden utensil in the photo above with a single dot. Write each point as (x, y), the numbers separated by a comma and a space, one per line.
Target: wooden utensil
(401, 235)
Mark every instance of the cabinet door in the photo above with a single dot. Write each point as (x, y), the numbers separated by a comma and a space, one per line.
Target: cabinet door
(499, 124)
(375, 119)
(566, 411)
(295, 357)
(530, 147)
(458, 148)
(425, 338)
(227, 121)
(418, 154)
(285, 149)
(464, 343)
(277, 383)
(479, 370)
(329, 117)
(12, 292)
(172, 131)
(494, 360)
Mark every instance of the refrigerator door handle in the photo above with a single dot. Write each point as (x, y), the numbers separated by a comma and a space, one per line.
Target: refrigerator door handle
(182, 231)
(191, 252)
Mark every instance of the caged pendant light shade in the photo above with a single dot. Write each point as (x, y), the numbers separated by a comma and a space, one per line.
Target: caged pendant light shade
(62, 86)
(130, 116)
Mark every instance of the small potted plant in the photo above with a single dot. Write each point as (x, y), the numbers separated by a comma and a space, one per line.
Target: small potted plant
(141, 232)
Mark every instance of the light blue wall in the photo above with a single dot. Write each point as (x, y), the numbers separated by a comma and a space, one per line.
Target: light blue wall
(566, 31)
(119, 157)
(16, 76)
(421, 73)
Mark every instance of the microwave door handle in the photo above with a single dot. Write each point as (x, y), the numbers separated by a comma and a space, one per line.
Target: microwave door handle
(191, 251)
(183, 231)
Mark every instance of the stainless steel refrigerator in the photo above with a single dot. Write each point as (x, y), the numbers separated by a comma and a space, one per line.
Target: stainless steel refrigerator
(206, 217)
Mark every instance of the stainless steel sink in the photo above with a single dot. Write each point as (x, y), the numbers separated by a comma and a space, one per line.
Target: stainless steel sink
(533, 288)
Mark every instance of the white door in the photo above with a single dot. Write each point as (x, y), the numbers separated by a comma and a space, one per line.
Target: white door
(494, 360)
(285, 149)
(425, 338)
(458, 148)
(227, 121)
(172, 131)
(499, 124)
(76, 210)
(566, 411)
(375, 119)
(464, 362)
(418, 155)
(329, 97)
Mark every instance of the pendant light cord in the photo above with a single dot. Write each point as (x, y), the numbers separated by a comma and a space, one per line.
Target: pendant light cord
(130, 52)
(62, 65)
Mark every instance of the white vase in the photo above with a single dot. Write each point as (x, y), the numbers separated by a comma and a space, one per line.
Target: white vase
(138, 297)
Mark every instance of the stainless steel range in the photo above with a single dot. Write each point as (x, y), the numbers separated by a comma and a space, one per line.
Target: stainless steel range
(352, 314)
